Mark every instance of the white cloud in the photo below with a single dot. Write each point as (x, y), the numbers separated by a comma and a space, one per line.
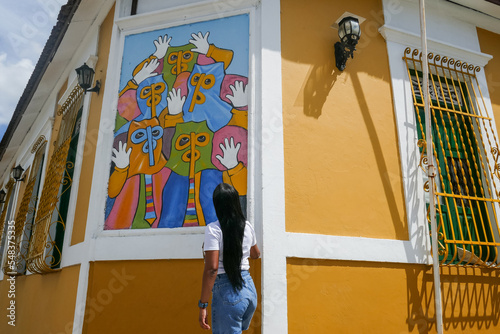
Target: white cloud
(13, 80)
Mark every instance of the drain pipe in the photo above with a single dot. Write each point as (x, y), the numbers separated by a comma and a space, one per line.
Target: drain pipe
(431, 170)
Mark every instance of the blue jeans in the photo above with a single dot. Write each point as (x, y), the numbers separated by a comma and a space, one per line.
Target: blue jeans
(232, 310)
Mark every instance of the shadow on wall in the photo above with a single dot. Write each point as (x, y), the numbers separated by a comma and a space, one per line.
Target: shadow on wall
(471, 299)
(318, 85)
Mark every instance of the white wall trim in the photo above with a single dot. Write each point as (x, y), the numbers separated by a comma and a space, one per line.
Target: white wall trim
(326, 247)
(188, 13)
(274, 284)
(401, 36)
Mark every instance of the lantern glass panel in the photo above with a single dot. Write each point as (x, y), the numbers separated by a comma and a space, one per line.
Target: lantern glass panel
(355, 28)
(341, 31)
(347, 28)
(17, 172)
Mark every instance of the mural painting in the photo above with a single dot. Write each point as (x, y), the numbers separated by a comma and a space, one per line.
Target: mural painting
(181, 124)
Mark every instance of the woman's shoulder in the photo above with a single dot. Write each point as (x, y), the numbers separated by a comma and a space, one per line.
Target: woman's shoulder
(249, 226)
(213, 226)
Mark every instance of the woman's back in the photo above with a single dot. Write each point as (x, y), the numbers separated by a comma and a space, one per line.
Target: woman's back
(214, 241)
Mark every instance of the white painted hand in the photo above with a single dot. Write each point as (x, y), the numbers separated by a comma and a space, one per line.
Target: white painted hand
(161, 45)
(121, 157)
(240, 96)
(201, 42)
(175, 101)
(147, 71)
(230, 152)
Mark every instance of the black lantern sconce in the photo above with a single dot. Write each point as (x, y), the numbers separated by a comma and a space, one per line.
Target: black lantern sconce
(349, 33)
(2, 196)
(85, 77)
(17, 173)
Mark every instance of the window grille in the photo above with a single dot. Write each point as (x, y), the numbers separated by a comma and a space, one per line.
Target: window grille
(44, 253)
(3, 216)
(26, 211)
(466, 154)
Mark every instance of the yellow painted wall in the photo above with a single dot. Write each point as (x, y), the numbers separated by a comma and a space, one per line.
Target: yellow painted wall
(490, 44)
(151, 297)
(80, 220)
(342, 166)
(359, 297)
(44, 303)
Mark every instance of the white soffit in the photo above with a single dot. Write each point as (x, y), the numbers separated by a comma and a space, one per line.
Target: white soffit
(482, 6)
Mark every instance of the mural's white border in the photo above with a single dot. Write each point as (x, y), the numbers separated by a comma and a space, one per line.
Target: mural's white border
(139, 24)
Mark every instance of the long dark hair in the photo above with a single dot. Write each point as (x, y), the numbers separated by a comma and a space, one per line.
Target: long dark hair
(232, 222)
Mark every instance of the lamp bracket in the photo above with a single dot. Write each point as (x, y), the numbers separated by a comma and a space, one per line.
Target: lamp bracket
(96, 88)
(341, 56)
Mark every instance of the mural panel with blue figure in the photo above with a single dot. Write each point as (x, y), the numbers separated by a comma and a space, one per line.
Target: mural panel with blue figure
(203, 102)
(181, 124)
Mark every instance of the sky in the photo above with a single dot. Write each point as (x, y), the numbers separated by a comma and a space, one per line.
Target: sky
(24, 28)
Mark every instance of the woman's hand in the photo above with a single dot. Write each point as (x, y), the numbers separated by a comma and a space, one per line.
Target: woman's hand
(203, 319)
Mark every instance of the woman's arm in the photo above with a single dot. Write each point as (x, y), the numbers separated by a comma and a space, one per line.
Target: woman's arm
(254, 252)
(209, 275)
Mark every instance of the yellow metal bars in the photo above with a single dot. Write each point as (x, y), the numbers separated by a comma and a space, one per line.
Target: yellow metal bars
(26, 208)
(3, 216)
(44, 253)
(466, 154)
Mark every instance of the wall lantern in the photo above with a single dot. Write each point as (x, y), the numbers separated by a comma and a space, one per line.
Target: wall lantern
(17, 173)
(349, 33)
(2, 196)
(85, 77)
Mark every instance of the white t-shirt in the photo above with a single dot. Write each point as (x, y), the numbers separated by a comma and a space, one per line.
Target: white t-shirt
(213, 241)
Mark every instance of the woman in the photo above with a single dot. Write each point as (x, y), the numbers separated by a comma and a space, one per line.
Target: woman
(228, 244)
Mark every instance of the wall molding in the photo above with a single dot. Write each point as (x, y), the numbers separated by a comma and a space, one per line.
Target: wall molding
(401, 36)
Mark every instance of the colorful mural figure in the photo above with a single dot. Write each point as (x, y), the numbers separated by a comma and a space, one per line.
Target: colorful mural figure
(181, 125)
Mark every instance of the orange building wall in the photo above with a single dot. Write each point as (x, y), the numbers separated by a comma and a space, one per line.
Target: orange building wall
(359, 297)
(490, 44)
(149, 297)
(44, 303)
(342, 166)
(84, 187)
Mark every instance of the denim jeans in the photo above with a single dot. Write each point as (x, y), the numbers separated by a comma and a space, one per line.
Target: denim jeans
(232, 310)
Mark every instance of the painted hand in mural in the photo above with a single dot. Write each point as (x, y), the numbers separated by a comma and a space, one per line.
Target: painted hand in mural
(161, 45)
(121, 157)
(175, 101)
(201, 43)
(230, 152)
(147, 71)
(240, 97)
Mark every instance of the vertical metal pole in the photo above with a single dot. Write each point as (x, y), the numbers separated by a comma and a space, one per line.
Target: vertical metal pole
(431, 173)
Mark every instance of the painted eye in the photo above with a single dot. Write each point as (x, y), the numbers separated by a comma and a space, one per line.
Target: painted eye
(202, 139)
(158, 87)
(186, 56)
(139, 135)
(173, 57)
(183, 141)
(196, 78)
(156, 132)
(208, 81)
(146, 90)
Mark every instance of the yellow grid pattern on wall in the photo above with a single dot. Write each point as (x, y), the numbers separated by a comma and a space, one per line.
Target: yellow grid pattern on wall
(40, 257)
(466, 155)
